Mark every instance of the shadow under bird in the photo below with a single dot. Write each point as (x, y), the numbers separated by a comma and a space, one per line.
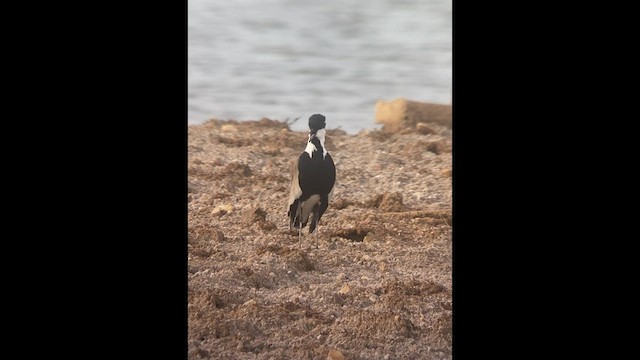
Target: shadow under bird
(312, 181)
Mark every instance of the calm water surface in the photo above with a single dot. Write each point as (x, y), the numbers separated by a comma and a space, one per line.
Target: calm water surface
(284, 59)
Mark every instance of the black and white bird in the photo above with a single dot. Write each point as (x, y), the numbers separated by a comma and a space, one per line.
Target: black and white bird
(312, 181)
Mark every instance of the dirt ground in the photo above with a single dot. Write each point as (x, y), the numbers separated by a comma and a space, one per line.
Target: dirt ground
(379, 284)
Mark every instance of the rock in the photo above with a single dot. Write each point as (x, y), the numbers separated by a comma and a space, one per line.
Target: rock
(401, 114)
(392, 202)
(249, 303)
(341, 203)
(228, 128)
(242, 345)
(222, 209)
(369, 238)
(334, 354)
(218, 236)
(267, 225)
(382, 265)
(345, 289)
(379, 258)
(254, 214)
(300, 261)
(353, 234)
(447, 173)
(237, 169)
(438, 147)
(424, 129)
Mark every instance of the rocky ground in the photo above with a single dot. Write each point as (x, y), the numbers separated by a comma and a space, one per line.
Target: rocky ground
(379, 284)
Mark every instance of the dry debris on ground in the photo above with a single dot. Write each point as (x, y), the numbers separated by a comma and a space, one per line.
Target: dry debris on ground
(378, 286)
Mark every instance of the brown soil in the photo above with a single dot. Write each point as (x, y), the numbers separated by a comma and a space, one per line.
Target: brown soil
(378, 286)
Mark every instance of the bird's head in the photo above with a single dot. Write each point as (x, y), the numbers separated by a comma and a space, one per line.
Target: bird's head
(316, 122)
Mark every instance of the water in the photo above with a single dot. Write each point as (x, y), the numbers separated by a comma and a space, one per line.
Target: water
(284, 59)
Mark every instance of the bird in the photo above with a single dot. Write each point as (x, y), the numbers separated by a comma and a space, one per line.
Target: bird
(312, 181)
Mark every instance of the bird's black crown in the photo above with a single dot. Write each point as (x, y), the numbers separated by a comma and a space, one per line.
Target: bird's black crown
(317, 122)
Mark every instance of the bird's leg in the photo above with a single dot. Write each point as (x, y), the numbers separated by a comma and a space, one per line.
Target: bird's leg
(317, 231)
(299, 217)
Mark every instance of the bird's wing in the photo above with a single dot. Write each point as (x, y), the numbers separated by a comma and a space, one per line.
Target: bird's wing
(332, 175)
(295, 191)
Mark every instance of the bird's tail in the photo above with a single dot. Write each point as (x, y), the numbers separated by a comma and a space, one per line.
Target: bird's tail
(294, 215)
(317, 211)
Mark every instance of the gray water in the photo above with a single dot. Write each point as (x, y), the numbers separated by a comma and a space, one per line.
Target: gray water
(284, 59)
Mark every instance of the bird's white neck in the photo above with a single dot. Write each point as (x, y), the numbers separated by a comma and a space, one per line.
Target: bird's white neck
(320, 134)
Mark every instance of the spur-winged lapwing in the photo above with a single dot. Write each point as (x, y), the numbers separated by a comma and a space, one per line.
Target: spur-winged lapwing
(312, 182)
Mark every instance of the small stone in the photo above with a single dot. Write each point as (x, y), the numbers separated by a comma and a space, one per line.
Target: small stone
(382, 266)
(222, 209)
(369, 238)
(228, 128)
(345, 289)
(249, 303)
(392, 201)
(334, 354)
(219, 235)
(254, 214)
(422, 128)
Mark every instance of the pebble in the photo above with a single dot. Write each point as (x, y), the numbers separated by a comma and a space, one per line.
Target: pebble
(228, 128)
(222, 209)
(345, 289)
(249, 303)
(334, 354)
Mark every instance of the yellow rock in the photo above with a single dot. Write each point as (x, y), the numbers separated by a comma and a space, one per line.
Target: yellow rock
(334, 354)
(401, 113)
(228, 128)
(345, 289)
(222, 209)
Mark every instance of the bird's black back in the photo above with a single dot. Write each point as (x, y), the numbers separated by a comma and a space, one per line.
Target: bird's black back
(317, 174)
